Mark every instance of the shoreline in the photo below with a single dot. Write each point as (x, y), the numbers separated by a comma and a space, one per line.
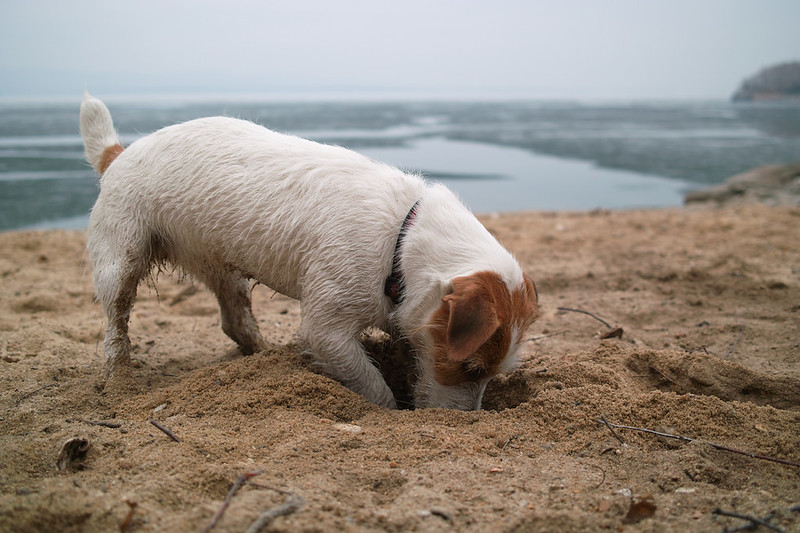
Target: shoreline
(549, 157)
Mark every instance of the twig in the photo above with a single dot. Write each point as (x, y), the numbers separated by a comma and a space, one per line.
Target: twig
(609, 326)
(241, 480)
(126, 522)
(512, 437)
(712, 444)
(167, 431)
(31, 393)
(753, 455)
(540, 337)
(643, 430)
(662, 374)
(112, 425)
(441, 513)
(611, 429)
(292, 504)
(749, 526)
(735, 342)
(604, 476)
(751, 519)
(269, 487)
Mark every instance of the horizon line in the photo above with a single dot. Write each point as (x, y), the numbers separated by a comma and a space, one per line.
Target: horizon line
(343, 96)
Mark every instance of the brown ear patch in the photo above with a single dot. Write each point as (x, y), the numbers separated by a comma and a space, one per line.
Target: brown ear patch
(108, 156)
(472, 329)
(472, 317)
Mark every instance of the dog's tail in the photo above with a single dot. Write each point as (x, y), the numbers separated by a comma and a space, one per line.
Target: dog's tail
(99, 136)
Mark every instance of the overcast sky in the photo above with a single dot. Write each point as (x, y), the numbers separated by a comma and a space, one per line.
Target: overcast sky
(541, 49)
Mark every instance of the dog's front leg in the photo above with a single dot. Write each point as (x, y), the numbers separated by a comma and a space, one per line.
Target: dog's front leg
(343, 358)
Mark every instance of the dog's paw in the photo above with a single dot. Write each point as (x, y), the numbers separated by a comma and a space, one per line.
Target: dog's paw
(384, 398)
(391, 404)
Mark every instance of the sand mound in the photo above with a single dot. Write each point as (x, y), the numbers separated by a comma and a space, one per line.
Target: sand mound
(708, 305)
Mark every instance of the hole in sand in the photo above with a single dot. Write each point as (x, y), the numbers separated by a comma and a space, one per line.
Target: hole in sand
(508, 391)
(397, 365)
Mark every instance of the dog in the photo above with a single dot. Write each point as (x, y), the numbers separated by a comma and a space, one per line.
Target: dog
(361, 244)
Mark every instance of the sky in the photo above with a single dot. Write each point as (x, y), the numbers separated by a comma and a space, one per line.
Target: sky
(555, 49)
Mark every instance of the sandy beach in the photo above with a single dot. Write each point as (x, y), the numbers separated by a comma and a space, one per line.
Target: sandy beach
(702, 313)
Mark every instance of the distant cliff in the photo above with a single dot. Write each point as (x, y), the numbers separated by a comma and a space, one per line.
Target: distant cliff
(778, 82)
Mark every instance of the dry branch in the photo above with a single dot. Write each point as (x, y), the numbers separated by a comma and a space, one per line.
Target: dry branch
(292, 504)
(611, 429)
(546, 336)
(270, 487)
(602, 472)
(735, 342)
(112, 425)
(31, 393)
(126, 522)
(609, 326)
(662, 374)
(712, 444)
(512, 437)
(752, 519)
(240, 481)
(166, 431)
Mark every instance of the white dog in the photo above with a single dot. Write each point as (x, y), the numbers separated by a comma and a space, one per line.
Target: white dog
(360, 243)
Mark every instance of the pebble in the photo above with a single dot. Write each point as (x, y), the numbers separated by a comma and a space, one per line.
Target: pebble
(348, 428)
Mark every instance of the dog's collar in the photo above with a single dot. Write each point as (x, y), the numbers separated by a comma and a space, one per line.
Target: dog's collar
(393, 288)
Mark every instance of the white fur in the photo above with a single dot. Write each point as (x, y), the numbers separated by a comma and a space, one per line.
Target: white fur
(228, 200)
(97, 128)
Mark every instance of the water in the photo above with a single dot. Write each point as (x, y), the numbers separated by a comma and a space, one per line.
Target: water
(498, 156)
(491, 178)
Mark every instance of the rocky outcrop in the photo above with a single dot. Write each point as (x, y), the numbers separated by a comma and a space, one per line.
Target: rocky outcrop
(778, 82)
(770, 185)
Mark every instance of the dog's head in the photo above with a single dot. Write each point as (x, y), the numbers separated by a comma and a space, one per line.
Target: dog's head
(474, 334)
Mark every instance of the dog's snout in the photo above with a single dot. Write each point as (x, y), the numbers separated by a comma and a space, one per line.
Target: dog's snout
(464, 397)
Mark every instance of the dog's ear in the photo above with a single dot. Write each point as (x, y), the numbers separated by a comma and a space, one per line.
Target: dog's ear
(472, 319)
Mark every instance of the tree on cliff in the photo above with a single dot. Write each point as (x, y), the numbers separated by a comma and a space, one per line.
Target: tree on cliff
(772, 83)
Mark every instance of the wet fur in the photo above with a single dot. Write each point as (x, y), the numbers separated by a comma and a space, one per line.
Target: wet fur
(229, 201)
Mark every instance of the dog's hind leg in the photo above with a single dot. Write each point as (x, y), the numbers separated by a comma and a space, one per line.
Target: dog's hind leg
(117, 273)
(238, 323)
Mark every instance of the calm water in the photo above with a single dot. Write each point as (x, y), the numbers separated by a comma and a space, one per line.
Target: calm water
(498, 156)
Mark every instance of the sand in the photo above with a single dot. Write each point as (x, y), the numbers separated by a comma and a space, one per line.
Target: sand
(709, 305)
